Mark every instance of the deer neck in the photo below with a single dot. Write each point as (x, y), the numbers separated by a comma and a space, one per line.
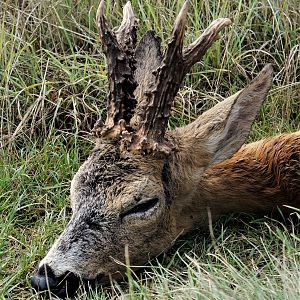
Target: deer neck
(259, 178)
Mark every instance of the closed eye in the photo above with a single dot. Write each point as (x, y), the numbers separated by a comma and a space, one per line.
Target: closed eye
(141, 207)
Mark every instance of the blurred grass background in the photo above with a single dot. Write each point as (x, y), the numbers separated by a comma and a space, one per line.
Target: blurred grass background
(52, 89)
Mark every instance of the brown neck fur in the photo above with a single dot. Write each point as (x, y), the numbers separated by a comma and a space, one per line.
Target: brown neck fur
(260, 177)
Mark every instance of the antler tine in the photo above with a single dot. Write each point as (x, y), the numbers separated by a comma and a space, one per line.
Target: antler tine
(101, 20)
(179, 29)
(194, 52)
(118, 48)
(126, 34)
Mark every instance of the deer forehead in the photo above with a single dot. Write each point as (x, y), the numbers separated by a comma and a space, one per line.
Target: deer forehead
(111, 179)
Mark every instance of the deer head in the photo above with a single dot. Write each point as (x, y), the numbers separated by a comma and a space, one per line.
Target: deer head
(137, 188)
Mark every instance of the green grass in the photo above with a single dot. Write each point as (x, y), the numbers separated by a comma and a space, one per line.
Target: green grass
(52, 89)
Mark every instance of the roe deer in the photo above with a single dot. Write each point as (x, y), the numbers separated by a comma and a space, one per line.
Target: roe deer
(143, 185)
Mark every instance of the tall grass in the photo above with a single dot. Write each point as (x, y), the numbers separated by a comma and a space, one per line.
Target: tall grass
(53, 88)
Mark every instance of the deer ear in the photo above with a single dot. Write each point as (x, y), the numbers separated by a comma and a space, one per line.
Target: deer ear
(220, 132)
(236, 125)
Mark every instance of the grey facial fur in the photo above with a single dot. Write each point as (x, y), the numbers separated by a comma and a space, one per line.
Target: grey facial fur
(104, 191)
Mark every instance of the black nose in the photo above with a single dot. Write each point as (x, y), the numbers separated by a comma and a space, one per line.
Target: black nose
(62, 286)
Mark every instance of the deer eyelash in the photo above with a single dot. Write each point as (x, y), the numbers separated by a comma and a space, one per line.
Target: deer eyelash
(142, 207)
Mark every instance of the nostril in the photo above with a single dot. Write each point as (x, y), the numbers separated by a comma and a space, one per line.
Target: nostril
(44, 279)
(62, 286)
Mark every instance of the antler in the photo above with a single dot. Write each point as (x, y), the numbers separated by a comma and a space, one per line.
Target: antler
(118, 47)
(175, 65)
(158, 81)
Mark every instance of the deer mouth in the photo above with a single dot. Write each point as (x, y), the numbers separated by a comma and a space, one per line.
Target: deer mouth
(45, 282)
